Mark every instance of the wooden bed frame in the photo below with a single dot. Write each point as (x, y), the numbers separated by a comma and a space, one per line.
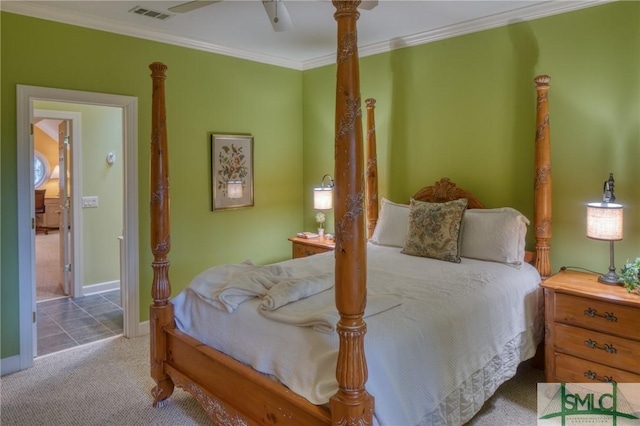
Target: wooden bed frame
(235, 394)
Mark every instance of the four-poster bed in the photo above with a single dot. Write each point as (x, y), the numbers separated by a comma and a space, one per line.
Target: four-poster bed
(234, 393)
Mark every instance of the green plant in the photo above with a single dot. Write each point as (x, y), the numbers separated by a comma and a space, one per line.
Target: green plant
(630, 275)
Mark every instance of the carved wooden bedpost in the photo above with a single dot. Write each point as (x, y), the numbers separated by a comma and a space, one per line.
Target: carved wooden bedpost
(161, 311)
(351, 405)
(372, 169)
(542, 188)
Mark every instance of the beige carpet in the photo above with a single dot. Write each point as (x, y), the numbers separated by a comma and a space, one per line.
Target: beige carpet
(48, 266)
(515, 403)
(108, 383)
(104, 383)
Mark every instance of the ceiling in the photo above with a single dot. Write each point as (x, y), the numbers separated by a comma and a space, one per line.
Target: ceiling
(241, 28)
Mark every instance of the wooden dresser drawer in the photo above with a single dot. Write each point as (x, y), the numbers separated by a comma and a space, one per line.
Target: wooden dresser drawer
(599, 347)
(303, 247)
(592, 330)
(576, 370)
(300, 250)
(599, 315)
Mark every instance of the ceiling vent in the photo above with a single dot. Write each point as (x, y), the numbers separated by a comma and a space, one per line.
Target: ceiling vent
(150, 13)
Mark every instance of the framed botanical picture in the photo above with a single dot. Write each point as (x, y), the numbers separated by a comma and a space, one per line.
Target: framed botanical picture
(231, 171)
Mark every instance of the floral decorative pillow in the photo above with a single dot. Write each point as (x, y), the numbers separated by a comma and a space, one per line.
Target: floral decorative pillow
(434, 229)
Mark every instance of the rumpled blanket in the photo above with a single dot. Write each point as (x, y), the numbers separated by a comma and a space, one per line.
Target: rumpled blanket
(292, 289)
(319, 312)
(227, 286)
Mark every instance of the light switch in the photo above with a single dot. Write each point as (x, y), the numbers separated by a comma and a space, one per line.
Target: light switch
(90, 202)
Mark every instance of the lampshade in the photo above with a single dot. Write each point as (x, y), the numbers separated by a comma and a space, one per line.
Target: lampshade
(322, 198)
(604, 221)
(323, 195)
(234, 189)
(55, 174)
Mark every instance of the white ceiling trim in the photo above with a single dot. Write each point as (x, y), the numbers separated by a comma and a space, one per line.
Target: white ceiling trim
(532, 12)
(498, 20)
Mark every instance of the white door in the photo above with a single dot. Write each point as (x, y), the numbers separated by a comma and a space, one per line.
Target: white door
(64, 139)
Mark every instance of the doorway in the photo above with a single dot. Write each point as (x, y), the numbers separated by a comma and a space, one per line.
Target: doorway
(77, 298)
(27, 98)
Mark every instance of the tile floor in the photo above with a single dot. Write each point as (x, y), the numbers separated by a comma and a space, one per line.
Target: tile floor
(68, 322)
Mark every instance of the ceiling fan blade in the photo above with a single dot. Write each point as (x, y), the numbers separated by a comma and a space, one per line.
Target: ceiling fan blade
(192, 5)
(368, 4)
(278, 15)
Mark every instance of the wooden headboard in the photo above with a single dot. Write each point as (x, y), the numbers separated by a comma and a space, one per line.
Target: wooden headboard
(444, 190)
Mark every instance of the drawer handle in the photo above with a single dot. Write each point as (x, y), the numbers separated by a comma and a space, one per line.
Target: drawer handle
(607, 347)
(594, 376)
(590, 312)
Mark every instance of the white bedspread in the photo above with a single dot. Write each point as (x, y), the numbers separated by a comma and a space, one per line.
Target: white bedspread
(434, 359)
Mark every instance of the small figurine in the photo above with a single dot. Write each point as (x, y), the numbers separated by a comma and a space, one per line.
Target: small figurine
(608, 196)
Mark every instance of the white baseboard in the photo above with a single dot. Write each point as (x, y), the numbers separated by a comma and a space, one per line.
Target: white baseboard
(144, 328)
(11, 364)
(100, 287)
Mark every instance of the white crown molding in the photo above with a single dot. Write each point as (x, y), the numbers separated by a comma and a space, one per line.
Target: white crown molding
(529, 13)
(549, 8)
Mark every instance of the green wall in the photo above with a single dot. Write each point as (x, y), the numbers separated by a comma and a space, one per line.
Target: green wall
(464, 108)
(205, 93)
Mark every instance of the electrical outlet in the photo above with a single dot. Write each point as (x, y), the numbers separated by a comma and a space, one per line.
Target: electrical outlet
(90, 202)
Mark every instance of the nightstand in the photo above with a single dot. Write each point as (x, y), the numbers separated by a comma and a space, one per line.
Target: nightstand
(592, 330)
(303, 247)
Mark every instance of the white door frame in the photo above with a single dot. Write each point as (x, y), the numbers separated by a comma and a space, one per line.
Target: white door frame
(76, 196)
(26, 95)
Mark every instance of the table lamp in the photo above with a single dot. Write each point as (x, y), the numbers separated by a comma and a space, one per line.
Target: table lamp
(605, 222)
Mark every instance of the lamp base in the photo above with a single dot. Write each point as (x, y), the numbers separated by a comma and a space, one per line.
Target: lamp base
(610, 278)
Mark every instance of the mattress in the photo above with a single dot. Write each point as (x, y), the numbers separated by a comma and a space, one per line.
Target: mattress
(460, 331)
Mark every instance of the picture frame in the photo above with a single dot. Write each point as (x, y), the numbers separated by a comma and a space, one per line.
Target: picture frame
(231, 171)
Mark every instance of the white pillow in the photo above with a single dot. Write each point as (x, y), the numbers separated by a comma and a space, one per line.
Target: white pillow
(496, 235)
(392, 225)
